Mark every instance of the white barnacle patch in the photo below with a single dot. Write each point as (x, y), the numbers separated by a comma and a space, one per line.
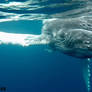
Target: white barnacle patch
(87, 42)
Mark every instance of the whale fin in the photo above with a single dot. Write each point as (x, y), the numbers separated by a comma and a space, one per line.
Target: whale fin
(21, 39)
(86, 73)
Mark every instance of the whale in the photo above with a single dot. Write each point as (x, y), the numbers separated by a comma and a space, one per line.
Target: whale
(72, 36)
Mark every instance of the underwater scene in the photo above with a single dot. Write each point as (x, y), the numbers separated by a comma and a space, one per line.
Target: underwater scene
(45, 45)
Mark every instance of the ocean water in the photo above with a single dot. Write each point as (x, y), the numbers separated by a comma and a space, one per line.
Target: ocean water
(33, 67)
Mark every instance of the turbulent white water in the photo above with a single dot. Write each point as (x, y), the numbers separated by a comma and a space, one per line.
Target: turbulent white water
(13, 10)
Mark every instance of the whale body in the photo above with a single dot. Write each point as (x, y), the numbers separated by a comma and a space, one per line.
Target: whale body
(70, 36)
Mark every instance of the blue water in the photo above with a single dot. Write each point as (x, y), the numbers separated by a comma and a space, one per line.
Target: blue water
(33, 68)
